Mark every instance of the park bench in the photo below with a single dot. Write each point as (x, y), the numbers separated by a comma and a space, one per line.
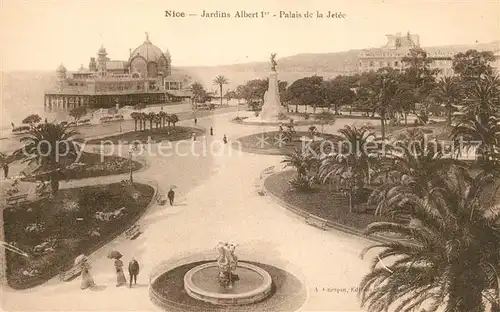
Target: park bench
(133, 232)
(71, 273)
(317, 222)
(16, 200)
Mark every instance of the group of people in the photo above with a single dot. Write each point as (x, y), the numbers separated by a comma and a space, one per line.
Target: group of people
(133, 270)
(193, 135)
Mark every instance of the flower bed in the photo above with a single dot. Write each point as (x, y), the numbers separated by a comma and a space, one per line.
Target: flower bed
(270, 142)
(179, 133)
(320, 202)
(53, 231)
(90, 165)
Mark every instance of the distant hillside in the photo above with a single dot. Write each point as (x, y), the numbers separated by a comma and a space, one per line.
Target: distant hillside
(28, 87)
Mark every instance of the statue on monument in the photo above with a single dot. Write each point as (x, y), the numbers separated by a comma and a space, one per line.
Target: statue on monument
(273, 61)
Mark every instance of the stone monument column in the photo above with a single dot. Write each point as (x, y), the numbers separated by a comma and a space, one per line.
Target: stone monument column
(272, 107)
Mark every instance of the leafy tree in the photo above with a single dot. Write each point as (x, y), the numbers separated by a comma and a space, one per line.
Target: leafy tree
(338, 92)
(307, 91)
(473, 64)
(52, 147)
(150, 117)
(199, 92)
(32, 119)
(78, 112)
(324, 118)
(447, 259)
(220, 81)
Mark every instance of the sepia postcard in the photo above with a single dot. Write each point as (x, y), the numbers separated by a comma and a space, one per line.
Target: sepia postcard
(240, 156)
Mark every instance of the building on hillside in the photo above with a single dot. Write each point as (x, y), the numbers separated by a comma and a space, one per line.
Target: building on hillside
(398, 46)
(146, 77)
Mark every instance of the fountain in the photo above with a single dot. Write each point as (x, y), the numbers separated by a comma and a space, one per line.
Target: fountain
(227, 282)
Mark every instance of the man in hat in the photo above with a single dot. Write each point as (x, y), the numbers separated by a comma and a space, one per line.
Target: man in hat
(171, 195)
(133, 271)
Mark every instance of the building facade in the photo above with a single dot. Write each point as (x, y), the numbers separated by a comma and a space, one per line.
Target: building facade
(398, 46)
(146, 77)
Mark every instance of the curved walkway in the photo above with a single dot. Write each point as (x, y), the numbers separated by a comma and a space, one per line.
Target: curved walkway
(216, 200)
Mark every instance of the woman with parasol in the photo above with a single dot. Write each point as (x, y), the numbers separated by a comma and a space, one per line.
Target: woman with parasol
(120, 276)
(87, 280)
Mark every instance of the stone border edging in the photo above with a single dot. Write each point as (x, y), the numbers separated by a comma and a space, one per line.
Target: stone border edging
(329, 224)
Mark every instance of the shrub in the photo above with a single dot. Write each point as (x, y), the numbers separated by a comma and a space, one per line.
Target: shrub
(302, 183)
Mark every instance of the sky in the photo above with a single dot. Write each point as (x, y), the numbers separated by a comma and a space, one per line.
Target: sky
(42, 34)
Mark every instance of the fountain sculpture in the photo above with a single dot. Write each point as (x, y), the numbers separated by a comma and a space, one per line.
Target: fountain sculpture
(216, 282)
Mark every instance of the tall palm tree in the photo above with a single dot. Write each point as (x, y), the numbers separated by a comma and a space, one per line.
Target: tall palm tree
(220, 80)
(151, 117)
(449, 259)
(52, 147)
(135, 116)
(142, 120)
(157, 120)
(174, 119)
(350, 160)
(162, 115)
(448, 91)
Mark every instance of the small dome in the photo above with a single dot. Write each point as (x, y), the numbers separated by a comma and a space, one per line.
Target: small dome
(61, 69)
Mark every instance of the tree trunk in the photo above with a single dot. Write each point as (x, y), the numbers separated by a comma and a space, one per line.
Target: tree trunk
(382, 125)
(465, 292)
(449, 115)
(336, 108)
(406, 119)
(54, 183)
(297, 107)
(135, 124)
(221, 94)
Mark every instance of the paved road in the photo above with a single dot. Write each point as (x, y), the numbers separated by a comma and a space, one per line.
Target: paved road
(216, 201)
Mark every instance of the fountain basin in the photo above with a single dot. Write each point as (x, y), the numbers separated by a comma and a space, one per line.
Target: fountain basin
(254, 285)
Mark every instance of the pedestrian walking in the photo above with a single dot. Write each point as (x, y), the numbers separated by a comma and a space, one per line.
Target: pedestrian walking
(120, 277)
(224, 138)
(193, 136)
(5, 170)
(195, 121)
(171, 195)
(133, 271)
(87, 280)
(211, 131)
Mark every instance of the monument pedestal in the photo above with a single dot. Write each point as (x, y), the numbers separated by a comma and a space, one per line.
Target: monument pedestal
(272, 107)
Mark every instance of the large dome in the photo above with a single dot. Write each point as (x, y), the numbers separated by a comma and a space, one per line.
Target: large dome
(148, 51)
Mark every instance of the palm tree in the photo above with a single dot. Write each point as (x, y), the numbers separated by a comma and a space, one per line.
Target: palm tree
(135, 116)
(300, 160)
(480, 130)
(163, 116)
(32, 120)
(174, 119)
(220, 80)
(448, 259)
(414, 164)
(151, 117)
(157, 120)
(350, 160)
(142, 119)
(448, 92)
(52, 147)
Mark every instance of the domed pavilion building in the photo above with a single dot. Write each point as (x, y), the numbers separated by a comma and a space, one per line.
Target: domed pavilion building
(146, 77)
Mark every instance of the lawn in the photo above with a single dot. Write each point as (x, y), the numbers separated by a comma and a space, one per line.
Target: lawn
(157, 135)
(53, 231)
(90, 165)
(270, 143)
(320, 202)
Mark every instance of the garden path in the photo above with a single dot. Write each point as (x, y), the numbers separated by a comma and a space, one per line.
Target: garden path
(216, 201)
